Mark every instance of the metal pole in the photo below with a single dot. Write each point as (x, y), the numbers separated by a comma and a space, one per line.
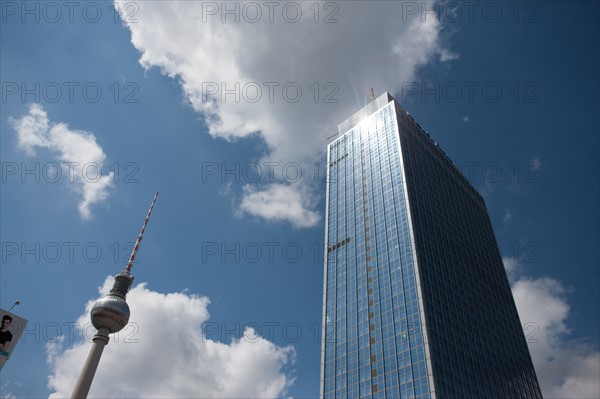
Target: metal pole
(91, 364)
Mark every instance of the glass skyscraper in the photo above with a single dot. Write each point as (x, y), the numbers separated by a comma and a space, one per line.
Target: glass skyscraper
(416, 300)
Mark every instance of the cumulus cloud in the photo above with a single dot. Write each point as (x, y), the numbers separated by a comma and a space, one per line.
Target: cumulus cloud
(279, 202)
(446, 55)
(4, 390)
(80, 156)
(163, 353)
(566, 368)
(288, 73)
(511, 266)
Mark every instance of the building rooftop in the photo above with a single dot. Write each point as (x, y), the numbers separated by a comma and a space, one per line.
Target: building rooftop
(369, 109)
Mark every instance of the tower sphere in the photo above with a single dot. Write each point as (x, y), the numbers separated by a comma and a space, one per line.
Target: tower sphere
(110, 312)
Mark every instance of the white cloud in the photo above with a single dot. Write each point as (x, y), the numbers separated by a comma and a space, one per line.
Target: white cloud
(338, 61)
(164, 353)
(446, 55)
(566, 368)
(279, 202)
(54, 348)
(511, 266)
(465, 119)
(4, 390)
(507, 216)
(80, 156)
(32, 130)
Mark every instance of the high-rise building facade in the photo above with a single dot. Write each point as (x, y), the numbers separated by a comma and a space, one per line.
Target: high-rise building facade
(416, 300)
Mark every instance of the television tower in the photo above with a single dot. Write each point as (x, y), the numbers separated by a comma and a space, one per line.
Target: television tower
(109, 315)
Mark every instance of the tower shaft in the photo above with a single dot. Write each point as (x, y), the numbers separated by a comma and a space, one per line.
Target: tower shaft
(84, 382)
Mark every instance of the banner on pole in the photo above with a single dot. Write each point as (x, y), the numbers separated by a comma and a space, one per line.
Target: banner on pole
(10, 332)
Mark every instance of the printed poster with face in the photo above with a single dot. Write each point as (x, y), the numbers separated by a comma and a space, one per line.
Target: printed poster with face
(10, 333)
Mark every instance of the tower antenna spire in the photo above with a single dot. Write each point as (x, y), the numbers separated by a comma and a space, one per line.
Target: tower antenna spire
(140, 236)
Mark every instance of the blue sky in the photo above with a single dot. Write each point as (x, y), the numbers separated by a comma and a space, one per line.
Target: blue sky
(508, 89)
